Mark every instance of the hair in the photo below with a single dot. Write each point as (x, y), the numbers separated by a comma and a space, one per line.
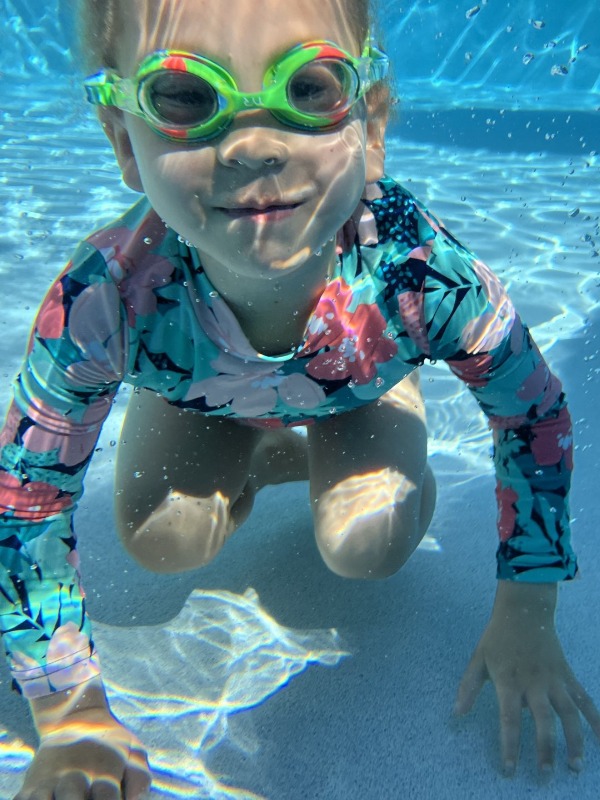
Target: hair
(98, 24)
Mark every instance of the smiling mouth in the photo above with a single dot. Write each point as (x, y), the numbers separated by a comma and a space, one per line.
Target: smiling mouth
(265, 213)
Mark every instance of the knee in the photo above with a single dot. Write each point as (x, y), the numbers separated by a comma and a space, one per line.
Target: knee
(181, 534)
(350, 556)
(368, 531)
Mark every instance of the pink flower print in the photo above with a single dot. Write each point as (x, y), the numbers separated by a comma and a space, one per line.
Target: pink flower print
(553, 440)
(35, 501)
(222, 327)
(542, 383)
(138, 288)
(74, 561)
(410, 305)
(298, 391)
(50, 321)
(361, 225)
(68, 663)
(252, 388)
(75, 440)
(355, 339)
(473, 370)
(487, 331)
(533, 386)
(95, 327)
(507, 423)
(506, 498)
(11, 425)
(133, 265)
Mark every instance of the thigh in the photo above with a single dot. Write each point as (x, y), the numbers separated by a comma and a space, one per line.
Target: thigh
(367, 472)
(163, 448)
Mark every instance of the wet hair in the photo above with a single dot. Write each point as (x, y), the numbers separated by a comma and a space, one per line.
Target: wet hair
(98, 23)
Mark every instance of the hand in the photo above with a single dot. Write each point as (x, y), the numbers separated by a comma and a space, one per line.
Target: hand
(88, 754)
(521, 654)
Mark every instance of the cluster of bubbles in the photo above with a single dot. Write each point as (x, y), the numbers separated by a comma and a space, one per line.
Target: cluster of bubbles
(538, 25)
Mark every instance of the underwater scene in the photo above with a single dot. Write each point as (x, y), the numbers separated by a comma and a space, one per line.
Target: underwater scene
(264, 675)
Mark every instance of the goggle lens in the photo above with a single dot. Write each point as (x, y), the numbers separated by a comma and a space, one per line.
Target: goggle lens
(178, 99)
(324, 87)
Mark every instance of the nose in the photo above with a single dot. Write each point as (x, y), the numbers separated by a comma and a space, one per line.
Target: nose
(253, 147)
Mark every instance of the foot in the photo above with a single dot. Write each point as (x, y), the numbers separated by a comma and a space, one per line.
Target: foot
(281, 456)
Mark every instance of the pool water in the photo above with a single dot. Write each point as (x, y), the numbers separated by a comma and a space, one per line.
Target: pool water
(264, 676)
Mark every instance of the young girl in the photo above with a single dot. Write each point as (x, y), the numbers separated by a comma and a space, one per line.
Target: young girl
(258, 285)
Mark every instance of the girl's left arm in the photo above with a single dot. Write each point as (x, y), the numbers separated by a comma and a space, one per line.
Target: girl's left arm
(522, 656)
(472, 324)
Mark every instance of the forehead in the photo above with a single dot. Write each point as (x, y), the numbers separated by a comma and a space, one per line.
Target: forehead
(236, 33)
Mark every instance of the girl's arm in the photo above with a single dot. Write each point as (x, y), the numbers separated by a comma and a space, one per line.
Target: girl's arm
(61, 398)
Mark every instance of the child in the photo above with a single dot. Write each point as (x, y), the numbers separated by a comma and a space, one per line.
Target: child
(258, 285)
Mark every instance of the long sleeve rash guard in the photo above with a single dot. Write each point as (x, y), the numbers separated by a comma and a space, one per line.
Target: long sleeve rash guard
(135, 305)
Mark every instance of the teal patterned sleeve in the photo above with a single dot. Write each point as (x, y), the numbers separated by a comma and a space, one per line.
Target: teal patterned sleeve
(74, 364)
(471, 323)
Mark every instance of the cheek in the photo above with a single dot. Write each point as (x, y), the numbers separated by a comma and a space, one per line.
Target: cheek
(343, 170)
(345, 161)
(165, 168)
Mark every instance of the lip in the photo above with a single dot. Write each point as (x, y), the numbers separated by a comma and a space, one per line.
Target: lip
(263, 212)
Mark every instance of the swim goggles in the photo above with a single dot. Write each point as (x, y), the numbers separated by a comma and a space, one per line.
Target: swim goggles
(186, 97)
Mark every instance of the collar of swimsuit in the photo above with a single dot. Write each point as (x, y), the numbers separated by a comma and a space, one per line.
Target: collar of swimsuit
(187, 97)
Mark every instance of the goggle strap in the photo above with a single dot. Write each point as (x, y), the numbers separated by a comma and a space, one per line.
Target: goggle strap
(378, 69)
(99, 88)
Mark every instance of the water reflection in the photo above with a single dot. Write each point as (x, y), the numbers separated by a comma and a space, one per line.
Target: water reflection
(221, 655)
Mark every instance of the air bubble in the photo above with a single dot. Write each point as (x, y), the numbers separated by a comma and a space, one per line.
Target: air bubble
(538, 24)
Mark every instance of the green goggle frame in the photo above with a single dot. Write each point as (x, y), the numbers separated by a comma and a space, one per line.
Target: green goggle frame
(208, 98)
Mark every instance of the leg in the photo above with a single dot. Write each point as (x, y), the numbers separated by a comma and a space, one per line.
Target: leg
(372, 492)
(182, 483)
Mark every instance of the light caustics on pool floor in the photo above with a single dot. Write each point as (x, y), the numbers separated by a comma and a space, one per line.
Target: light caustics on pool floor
(221, 655)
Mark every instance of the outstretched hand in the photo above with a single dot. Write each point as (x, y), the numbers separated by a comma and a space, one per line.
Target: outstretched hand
(89, 754)
(522, 656)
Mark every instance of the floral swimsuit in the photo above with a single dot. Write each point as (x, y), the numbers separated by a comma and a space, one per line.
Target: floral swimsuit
(135, 305)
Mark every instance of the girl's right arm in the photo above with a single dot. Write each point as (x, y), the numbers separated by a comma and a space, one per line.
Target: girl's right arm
(84, 751)
(63, 394)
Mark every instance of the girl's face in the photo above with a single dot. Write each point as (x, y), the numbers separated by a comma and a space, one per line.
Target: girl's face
(207, 191)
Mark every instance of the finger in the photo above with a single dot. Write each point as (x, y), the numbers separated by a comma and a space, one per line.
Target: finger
(471, 684)
(39, 795)
(73, 786)
(105, 790)
(545, 729)
(510, 705)
(136, 783)
(571, 724)
(585, 704)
